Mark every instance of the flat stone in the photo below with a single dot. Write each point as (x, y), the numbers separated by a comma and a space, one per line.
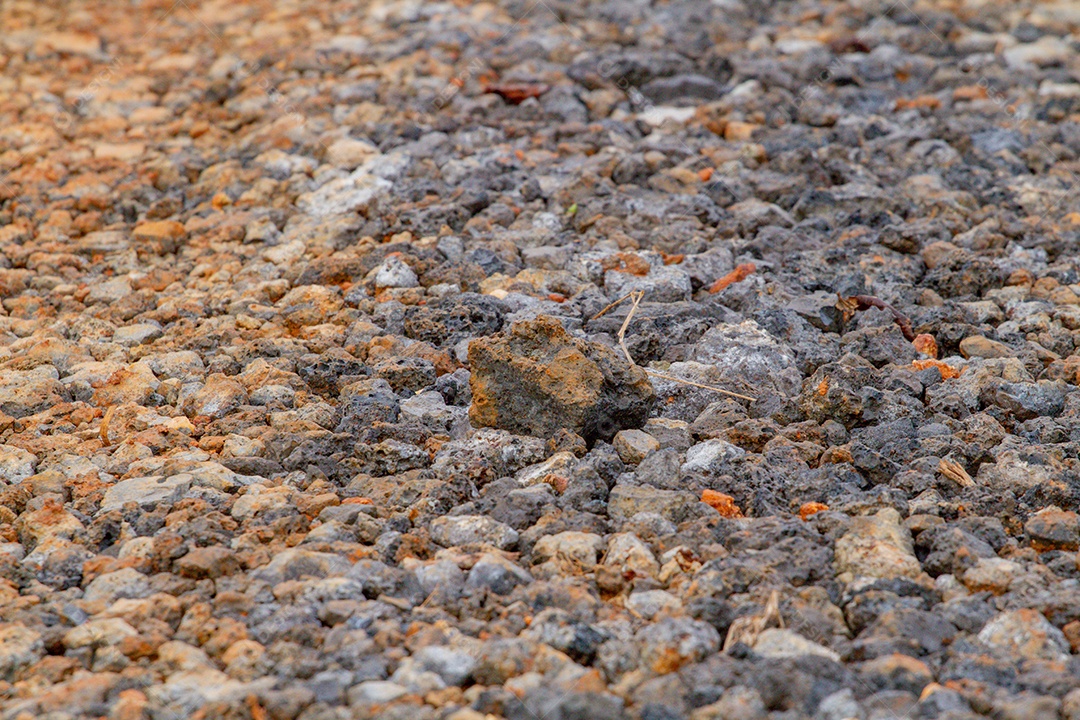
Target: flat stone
(25, 392)
(19, 647)
(1025, 633)
(123, 583)
(625, 501)
(707, 456)
(138, 334)
(466, 529)
(16, 464)
(650, 603)
(977, 346)
(497, 574)
(1054, 529)
(670, 433)
(147, 492)
(779, 643)
(99, 633)
(296, 563)
(571, 546)
(345, 195)
(877, 546)
(748, 356)
(634, 445)
(75, 43)
(349, 153)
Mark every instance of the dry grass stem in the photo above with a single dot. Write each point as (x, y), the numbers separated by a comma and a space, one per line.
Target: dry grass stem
(611, 306)
(637, 295)
(747, 629)
(104, 431)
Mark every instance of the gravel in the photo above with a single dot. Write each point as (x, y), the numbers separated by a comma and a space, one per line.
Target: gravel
(322, 396)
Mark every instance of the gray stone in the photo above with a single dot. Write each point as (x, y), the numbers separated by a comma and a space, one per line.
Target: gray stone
(16, 464)
(147, 492)
(217, 398)
(663, 284)
(345, 194)
(634, 445)
(676, 641)
(19, 647)
(294, 564)
(468, 529)
(625, 501)
(650, 603)
(820, 310)
(708, 456)
(453, 666)
(497, 574)
(670, 433)
(440, 575)
(124, 583)
(748, 357)
(131, 335)
(25, 392)
(781, 643)
(1025, 633)
(375, 692)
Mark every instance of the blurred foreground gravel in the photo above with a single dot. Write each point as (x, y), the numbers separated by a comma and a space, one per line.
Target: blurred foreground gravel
(266, 268)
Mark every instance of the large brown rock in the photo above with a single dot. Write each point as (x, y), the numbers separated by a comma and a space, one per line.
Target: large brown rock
(537, 379)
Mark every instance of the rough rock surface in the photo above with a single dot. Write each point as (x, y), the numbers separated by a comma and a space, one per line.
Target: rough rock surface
(536, 380)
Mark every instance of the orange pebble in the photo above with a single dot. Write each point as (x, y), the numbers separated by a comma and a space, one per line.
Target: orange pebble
(926, 344)
(723, 504)
(811, 508)
(740, 273)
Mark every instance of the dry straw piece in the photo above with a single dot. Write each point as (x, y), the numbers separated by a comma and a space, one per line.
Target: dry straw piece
(955, 472)
(104, 430)
(636, 296)
(746, 629)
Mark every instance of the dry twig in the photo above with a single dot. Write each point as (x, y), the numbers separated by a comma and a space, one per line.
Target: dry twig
(610, 306)
(955, 472)
(104, 430)
(746, 629)
(636, 295)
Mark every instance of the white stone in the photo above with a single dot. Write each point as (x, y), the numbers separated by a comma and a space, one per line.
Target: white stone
(16, 464)
(777, 643)
(709, 455)
(395, 273)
